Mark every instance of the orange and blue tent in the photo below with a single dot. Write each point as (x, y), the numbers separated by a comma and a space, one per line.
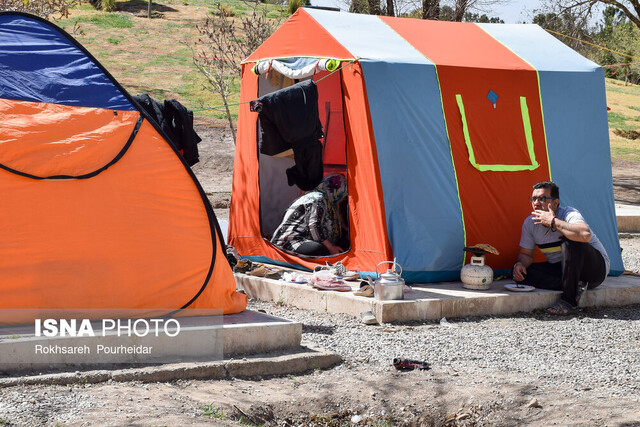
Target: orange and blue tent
(441, 129)
(99, 210)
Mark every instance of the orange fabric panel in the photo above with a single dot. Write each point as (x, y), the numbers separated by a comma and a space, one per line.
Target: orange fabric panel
(369, 244)
(467, 44)
(494, 203)
(471, 64)
(330, 97)
(136, 235)
(49, 139)
(300, 35)
(244, 213)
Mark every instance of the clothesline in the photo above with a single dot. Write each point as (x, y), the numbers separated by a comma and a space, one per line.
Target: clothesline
(220, 107)
(596, 45)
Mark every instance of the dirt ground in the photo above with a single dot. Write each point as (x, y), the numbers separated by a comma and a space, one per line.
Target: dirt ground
(335, 397)
(349, 394)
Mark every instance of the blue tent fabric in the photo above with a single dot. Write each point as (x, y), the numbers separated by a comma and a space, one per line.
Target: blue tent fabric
(405, 107)
(70, 76)
(416, 169)
(564, 75)
(570, 126)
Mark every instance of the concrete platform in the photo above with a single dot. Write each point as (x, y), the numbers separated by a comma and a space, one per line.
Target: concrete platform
(304, 359)
(628, 217)
(200, 339)
(436, 300)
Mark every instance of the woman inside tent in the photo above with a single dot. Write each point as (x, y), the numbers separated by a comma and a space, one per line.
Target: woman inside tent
(313, 225)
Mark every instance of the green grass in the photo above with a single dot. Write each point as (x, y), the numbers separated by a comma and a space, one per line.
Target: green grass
(619, 121)
(630, 154)
(154, 56)
(108, 20)
(624, 102)
(211, 411)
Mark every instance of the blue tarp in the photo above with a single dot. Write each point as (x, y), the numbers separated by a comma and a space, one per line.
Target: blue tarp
(69, 76)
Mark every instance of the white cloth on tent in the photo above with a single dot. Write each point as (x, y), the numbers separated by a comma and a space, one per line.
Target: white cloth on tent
(263, 67)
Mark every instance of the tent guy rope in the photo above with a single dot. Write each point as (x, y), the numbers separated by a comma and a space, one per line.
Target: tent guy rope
(220, 107)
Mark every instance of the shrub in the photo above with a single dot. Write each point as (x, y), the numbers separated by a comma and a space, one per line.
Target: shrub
(294, 5)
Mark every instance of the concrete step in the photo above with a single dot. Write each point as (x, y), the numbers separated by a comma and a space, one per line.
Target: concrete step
(304, 359)
(628, 217)
(200, 339)
(435, 300)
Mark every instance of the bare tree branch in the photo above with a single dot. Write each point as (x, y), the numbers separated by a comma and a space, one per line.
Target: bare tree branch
(224, 42)
(631, 8)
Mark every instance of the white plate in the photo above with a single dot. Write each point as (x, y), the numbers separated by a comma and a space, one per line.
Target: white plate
(518, 288)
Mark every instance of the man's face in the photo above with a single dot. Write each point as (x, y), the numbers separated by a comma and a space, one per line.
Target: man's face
(541, 200)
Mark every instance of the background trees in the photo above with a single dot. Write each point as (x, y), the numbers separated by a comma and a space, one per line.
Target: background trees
(588, 8)
(48, 9)
(607, 35)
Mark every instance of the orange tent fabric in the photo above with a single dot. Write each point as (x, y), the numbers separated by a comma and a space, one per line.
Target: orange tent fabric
(99, 210)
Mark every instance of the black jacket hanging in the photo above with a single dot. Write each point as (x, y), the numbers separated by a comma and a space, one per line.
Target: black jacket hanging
(289, 118)
(177, 123)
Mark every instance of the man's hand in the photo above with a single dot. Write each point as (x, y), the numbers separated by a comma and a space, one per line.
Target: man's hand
(519, 271)
(543, 217)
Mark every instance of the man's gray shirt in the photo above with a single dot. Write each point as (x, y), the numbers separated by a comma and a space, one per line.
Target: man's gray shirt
(549, 240)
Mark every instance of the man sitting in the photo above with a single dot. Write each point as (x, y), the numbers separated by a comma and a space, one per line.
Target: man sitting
(576, 260)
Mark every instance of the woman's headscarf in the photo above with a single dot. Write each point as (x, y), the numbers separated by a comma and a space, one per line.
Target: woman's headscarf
(334, 188)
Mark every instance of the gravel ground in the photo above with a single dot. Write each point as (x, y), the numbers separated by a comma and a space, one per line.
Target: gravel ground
(630, 244)
(526, 369)
(593, 349)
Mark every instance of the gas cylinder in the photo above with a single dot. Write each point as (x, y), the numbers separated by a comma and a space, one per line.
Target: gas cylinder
(476, 275)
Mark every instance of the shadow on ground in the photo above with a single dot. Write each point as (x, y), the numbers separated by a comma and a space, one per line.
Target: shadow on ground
(141, 7)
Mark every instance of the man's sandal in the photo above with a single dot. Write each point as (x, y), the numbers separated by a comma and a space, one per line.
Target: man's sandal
(560, 308)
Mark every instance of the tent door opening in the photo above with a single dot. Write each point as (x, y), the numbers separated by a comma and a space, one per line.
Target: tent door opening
(276, 195)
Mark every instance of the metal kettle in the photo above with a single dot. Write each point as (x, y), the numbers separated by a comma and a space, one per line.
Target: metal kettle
(389, 285)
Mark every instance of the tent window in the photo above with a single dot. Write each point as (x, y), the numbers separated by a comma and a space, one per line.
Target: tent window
(275, 194)
(526, 123)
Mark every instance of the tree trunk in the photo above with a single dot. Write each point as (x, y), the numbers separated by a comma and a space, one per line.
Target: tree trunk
(149, 10)
(390, 8)
(430, 9)
(460, 8)
(226, 107)
(374, 7)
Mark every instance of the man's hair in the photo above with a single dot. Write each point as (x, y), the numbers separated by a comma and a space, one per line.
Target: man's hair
(555, 191)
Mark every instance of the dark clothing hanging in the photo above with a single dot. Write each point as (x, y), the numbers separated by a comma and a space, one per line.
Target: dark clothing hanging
(176, 121)
(308, 170)
(289, 118)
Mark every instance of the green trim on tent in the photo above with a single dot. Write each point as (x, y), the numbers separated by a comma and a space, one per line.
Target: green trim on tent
(255, 61)
(544, 127)
(526, 122)
(455, 172)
